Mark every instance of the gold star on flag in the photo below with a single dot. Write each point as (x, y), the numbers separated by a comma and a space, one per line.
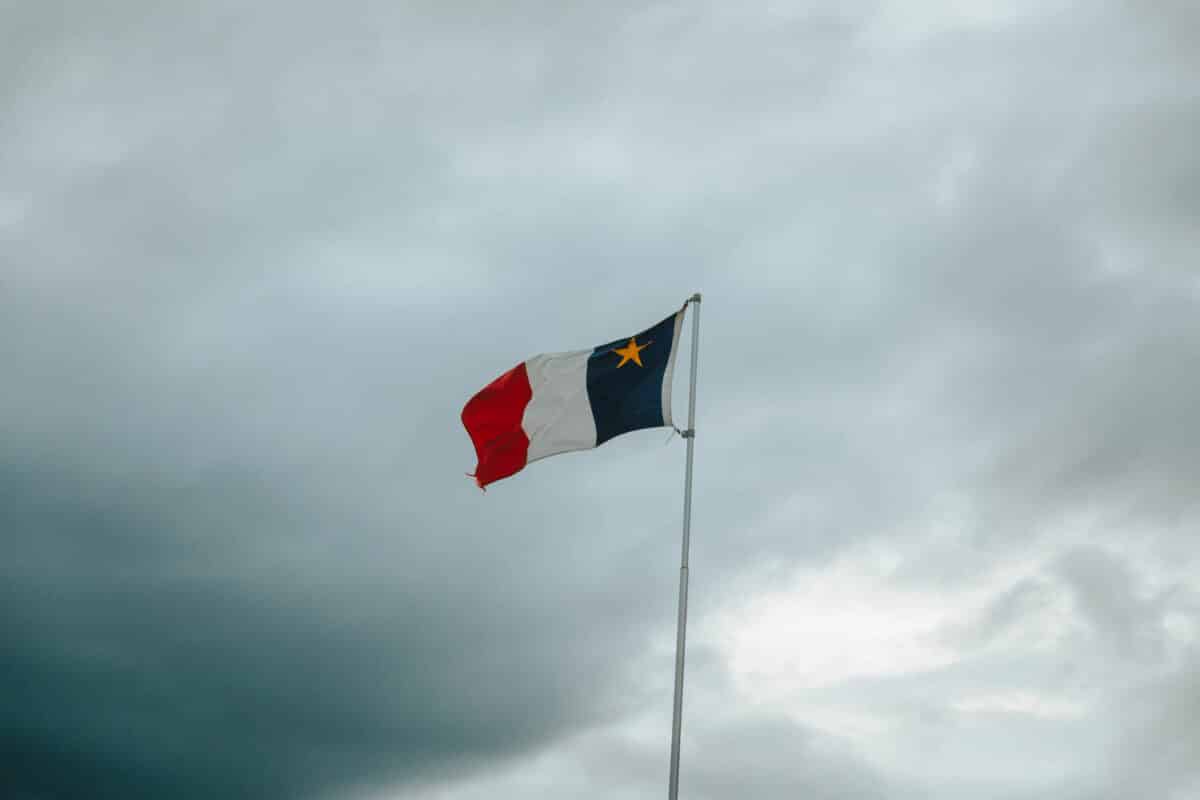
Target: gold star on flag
(631, 352)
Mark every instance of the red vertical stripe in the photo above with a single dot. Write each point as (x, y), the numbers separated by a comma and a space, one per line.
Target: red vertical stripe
(493, 419)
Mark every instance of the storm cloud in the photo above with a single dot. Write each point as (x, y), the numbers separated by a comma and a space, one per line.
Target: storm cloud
(254, 260)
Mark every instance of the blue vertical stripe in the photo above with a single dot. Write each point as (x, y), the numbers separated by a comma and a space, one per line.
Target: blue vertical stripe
(627, 397)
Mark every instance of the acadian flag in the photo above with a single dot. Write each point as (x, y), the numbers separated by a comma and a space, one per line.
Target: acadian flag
(557, 402)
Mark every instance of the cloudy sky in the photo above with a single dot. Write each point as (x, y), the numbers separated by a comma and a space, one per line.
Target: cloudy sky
(255, 257)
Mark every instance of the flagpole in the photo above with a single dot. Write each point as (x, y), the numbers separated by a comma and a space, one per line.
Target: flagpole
(681, 623)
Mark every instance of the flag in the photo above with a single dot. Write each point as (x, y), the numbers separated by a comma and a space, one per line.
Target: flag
(558, 402)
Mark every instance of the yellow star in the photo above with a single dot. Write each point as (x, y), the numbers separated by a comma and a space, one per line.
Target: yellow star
(631, 352)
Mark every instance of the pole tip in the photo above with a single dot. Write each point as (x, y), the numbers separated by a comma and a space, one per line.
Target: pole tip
(694, 298)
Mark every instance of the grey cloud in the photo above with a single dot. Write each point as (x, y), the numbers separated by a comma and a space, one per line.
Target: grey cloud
(1158, 738)
(1027, 598)
(254, 260)
(1110, 599)
(161, 662)
(775, 758)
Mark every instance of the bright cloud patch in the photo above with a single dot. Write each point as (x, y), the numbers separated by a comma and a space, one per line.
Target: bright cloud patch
(835, 625)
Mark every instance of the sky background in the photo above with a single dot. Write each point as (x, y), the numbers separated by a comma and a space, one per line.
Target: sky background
(255, 257)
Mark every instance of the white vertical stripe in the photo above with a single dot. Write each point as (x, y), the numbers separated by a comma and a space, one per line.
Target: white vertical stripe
(670, 372)
(559, 415)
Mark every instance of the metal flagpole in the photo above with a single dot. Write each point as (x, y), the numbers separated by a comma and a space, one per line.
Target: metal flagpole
(681, 624)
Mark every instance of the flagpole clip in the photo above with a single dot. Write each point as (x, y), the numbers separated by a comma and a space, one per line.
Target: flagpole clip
(690, 433)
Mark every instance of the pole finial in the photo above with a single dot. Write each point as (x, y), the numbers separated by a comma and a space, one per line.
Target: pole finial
(694, 298)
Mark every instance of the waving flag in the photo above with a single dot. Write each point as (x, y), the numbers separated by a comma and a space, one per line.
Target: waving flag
(557, 402)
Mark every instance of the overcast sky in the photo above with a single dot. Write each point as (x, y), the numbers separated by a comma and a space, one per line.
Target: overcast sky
(255, 257)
